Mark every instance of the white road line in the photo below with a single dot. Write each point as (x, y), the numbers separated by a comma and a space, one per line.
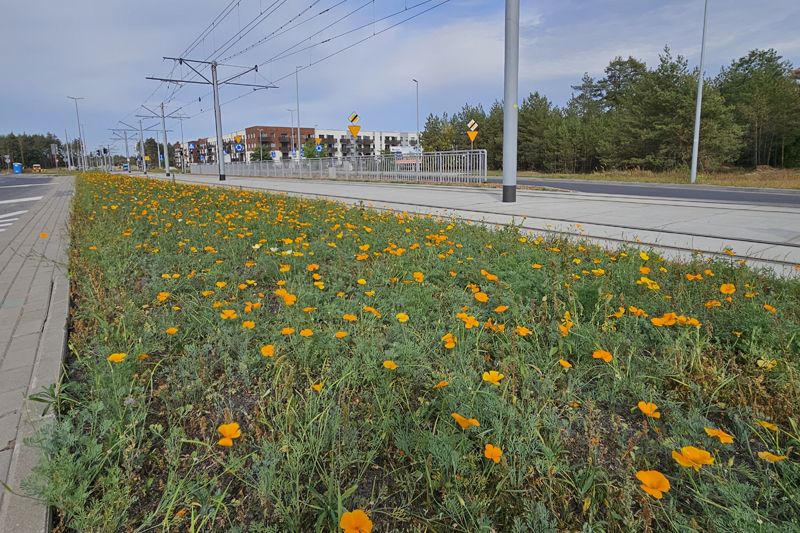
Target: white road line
(15, 200)
(5, 224)
(26, 185)
(13, 214)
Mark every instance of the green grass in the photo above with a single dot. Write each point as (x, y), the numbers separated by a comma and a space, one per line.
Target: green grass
(135, 446)
(763, 178)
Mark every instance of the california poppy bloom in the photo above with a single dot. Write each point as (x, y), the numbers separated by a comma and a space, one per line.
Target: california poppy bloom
(649, 409)
(248, 324)
(401, 317)
(603, 355)
(356, 521)
(767, 425)
(228, 314)
(465, 423)
(442, 384)
(692, 457)
(171, 331)
(340, 334)
(522, 331)
(771, 457)
(268, 350)
(493, 377)
(287, 331)
(654, 483)
(306, 332)
(481, 297)
(723, 437)
(389, 365)
(317, 386)
(229, 432)
(727, 288)
(492, 452)
(449, 341)
(116, 357)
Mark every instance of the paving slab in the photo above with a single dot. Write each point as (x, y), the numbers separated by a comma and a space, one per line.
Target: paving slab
(34, 304)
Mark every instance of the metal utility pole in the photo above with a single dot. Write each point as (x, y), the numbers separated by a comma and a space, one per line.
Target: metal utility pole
(166, 145)
(141, 148)
(127, 152)
(69, 154)
(260, 146)
(215, 83)
(510, 106)
(183, 146)
(297, 94)
(698, 108)
(80, 134)
(291, 128)
(417, 83)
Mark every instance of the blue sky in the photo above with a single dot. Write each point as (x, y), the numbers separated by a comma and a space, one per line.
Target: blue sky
(103, 51)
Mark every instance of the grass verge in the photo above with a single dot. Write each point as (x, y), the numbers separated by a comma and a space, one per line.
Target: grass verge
(381, 362)
(766, 178)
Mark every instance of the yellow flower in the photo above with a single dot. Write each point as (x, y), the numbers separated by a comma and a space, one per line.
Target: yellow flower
(492, 452)
(649, 409)
(306, 332)
(598, 272)
(389, 365)
(712, 303)
(287, 331)
(268, 350)
(723, 437)
(771, 457)
(449, 341)
(227, 314)
(116, 357)
(481, 297)
(442, 384)
(522, 331)
(248, 324)
(501, 309)
(340, 334)
(727, 288)
(162, 296)
(643, 256)
(654, 482)
(536, 266)
(691, 457)
(349, 317)
(603, 355)
(465, 423)
(356, 521)
(493, 377)
(768, 425)
(770, 309)
(401, 317)
(229, 432)
(220, 284)
(564, 363)
(171, 331)
(317, 386)
(419, 277)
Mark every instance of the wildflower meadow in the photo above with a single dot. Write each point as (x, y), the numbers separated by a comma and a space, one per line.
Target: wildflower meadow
(249, 362)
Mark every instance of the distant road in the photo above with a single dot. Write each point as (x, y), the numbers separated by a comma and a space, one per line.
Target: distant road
(736, 195)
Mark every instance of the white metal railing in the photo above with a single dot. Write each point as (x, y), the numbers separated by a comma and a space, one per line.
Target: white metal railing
(459, 166)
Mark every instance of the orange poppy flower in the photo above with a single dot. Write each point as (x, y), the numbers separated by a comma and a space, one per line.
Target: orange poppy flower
(229, 432)
(401, 317)
(723, 437)
(449, 341)
(492, 452)
(287, 331)
(116, 357)
(356, 521)
(501, 309)
(771, 457)
(493, 377)
(340, 334)
(692, 457)
(306, 332)
(465, 423)
(522, 331)
(442, 384)
(317, 386)
(770, 309)
(564, 363)
(389, 365)
(481, 297)
(248, 324)
(419, 277)
(727, 288)
(767, 425)
(649, 409)
(162, 296)
(171, 331)
(603, 355)
(268, 350)
(654, 482)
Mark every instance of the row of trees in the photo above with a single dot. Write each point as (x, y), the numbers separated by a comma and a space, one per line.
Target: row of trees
(635, 117)
(29, 149)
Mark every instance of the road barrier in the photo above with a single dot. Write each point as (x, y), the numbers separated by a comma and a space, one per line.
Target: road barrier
(459, 166)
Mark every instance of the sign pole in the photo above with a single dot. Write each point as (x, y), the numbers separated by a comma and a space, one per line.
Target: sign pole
(510, 107)
(698, 108)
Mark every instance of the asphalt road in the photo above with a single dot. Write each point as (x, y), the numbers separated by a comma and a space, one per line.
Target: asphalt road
(18, 195)
(737, 195)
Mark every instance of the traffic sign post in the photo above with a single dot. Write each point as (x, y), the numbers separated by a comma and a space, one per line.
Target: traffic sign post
(472, 133)
(354, 130)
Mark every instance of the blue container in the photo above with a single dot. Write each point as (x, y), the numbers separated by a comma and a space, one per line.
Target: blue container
(17, 168)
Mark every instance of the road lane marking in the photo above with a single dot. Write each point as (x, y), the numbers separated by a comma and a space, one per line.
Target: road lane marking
(15, 200)
(13, 214)
(26, 185)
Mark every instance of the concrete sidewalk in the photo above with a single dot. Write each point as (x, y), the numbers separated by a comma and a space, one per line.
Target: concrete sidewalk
(34, 303)
(764, 235)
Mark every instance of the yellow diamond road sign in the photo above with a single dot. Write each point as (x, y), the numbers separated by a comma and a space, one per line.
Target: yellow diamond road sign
(317, 140)
(354, 118)
(354, 129)
(473, 126)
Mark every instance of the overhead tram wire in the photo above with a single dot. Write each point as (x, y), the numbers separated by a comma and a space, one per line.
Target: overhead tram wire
(277, 31)
(343, 49)
(286, 53)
